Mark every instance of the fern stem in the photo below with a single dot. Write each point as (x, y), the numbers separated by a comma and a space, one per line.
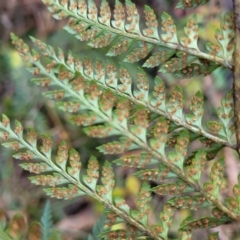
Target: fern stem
(236, 71)
(190, 51)
(160, 112)
(216, 202)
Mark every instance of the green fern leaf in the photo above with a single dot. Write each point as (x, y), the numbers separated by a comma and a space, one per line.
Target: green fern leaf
(126, 81)
(151, 22)
(177, 157)
(121, 204)
(176, 188)
(216, 178)
(156, 174)
(105, 13)
(101, 131)
(169, 29)
(17, 227)
(176, 102)
(85, 119)
(225, 36)
(190, 3)
(132, 18)
(217, 213)
(184, 235)
(143, 204)
(112, 218)
(179, 63)
(159, 57)
(111, 79)
(3, 219)
(62, 155)
(92, 173)
(80, 82)
(139, 53)
(118, 117)
(136, 161)
(213, 236)
(36, 167)
(158, 98)
(194, 171)
(97, 228)
(75, 164)
(187, 202)
(119, 234)
(215, 127)
(32, 137)
(71, 106)
(46, 221)
(34, 231)
(206, 222)
(233, 203)
(166, 217)
(200, 68)
(68, 192)
(73, 185)
(225, 114)
(197, 108)
(24, 156)
(107, 179)
(119, 16)
(142, 84)
(13, 145)
(160, 132)
(88, 27)
(46, 145)
(191, 31)
(118, 147)
(120, 47)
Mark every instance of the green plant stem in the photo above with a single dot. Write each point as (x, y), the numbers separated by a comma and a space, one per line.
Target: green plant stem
(216, 202)
(158, 42)
(236, 71)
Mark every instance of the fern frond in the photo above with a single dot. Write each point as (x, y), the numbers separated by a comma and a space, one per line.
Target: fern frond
(134, 126)
(190, 224)
(148, 127)
(233, 203)
(65, 182)
(213, 236)
(190, 3)
(82, 76)
(15, 229)
(125, 31)
(97, 228)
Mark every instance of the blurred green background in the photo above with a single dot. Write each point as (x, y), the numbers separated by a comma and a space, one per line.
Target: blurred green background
(20, 99)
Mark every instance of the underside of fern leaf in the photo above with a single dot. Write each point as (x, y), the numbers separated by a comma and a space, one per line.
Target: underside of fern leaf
(89, 96)
(181, 57)
(150, 129)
